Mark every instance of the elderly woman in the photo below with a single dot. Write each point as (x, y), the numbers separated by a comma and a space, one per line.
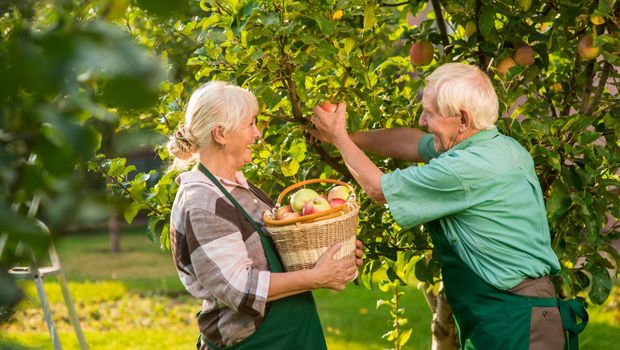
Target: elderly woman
(221, 252)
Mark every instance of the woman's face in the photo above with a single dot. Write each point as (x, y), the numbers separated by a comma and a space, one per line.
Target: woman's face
(239, 141)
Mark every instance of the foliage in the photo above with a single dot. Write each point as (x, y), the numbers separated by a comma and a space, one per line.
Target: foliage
(67, 72)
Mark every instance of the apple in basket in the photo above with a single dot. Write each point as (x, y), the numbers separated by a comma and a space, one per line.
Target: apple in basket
(289, 215)
(338, 196)
(283, 210)
(299, 199)
(316, 205)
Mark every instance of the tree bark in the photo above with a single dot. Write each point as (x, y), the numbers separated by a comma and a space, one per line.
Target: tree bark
(443, 328)
(115, 233)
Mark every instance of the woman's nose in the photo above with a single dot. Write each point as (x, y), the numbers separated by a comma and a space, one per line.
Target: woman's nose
(422, 120)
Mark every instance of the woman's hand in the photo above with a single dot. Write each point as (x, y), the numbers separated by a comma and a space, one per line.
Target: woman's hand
(359, 253)
(334, 274)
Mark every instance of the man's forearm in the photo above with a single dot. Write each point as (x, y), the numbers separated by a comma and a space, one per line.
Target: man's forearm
(365, 172)
(396, 143)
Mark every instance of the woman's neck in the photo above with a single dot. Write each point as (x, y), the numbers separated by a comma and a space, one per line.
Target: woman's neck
(218, 164)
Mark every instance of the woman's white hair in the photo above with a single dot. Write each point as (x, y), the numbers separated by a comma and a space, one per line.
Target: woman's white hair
(213, 104)
(460, 87)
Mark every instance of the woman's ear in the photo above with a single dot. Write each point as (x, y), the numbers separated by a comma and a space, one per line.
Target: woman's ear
(218, 135)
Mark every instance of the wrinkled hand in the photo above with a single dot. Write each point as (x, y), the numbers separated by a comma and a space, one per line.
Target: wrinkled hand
(332, 273)
(359, 253)
(330, 127)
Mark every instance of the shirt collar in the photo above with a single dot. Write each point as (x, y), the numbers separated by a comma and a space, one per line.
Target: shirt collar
(196, 175)
(480, 136)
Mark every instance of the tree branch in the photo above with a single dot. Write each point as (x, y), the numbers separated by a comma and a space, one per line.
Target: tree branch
(387, 4)
(441, 23)
(600, 88)
(587, 87)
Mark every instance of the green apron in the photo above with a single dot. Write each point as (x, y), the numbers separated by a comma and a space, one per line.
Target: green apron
(489, 318)
(292, 322)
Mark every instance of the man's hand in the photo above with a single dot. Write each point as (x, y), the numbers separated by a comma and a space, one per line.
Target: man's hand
(330, 127)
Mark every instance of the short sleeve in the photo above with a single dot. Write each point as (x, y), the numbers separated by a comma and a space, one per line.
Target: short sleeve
(426, 148)
(420, 194)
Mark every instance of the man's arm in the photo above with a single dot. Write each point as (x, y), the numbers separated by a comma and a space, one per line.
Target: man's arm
(331, 128)
(396, 143)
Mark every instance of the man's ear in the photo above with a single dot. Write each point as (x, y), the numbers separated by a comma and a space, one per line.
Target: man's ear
(465, 122)
(218, 135)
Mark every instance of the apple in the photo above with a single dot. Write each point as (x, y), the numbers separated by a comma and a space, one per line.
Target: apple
(336, 202)
(290, 215)
(300, 197)
(316, 205)
(329, 107)
(421, 53)
(470, 28)
(339, 191)
(504, 65)
(283, 210)
(587, 50)
(524, 55)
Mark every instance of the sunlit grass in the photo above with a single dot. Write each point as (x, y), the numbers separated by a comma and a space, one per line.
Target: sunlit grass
(134, 300)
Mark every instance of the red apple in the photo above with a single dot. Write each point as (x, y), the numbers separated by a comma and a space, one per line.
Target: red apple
(283, 210)
(421, 53)
(300, 197)
(340, 191)
(524, 55)
(316, 205)
(329, 107)
(587, 50)
(290, 215)
(336, 202)
(504, 66)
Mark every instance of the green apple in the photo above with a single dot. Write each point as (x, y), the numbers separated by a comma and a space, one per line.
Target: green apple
(300, 197)
(316, 205)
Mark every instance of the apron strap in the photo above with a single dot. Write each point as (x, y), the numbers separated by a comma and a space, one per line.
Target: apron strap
(569, 311)
(273, 259)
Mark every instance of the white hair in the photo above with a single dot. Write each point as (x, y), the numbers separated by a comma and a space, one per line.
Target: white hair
(458, 86)
(213, 104)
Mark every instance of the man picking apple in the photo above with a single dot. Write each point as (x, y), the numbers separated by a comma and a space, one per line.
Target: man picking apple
(478, 197)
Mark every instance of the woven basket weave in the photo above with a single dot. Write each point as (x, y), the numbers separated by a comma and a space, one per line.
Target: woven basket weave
(301, 241)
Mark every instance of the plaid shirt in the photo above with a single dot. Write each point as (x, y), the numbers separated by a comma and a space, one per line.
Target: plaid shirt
(219, 256)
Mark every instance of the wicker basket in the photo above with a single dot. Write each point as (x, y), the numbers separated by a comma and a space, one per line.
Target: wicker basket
(301, 241)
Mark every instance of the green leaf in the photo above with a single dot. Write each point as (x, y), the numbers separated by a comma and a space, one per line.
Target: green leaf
(369, 17)
(290, 168)
(601, 284)
(132, 210)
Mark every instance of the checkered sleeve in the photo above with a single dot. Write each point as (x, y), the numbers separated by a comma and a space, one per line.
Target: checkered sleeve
(221, 262)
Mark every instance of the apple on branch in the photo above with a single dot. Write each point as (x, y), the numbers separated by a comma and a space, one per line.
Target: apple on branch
(421, 53)
(329, 107)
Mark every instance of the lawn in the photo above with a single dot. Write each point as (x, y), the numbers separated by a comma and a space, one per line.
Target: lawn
(134, 300)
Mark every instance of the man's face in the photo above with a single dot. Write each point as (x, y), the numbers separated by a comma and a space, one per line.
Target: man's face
(445, 129)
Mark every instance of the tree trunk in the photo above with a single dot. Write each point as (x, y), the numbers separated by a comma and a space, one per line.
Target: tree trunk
(115, 233)
(443, 328)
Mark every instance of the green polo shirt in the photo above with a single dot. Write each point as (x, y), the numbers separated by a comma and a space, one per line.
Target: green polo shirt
(485, 195)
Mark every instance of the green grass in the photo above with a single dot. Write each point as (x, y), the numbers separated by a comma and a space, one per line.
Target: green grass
(134, 300)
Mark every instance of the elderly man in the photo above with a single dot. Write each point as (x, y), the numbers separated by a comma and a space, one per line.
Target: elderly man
(480, 200)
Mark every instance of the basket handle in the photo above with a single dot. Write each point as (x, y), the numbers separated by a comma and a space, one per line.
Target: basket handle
(307, 182)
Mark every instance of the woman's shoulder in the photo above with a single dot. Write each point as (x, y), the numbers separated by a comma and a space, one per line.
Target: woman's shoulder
(195, 186)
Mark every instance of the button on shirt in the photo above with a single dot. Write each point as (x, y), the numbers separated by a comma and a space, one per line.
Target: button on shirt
(486, 198)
